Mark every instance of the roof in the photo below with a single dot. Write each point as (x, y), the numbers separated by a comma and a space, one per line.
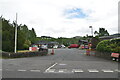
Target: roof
(108, 37)
(83, 40)
(46, 42)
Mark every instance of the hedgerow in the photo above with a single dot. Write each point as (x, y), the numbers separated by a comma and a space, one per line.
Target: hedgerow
(112, 45)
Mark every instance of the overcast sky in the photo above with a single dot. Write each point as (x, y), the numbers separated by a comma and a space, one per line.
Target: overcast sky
(63, 18)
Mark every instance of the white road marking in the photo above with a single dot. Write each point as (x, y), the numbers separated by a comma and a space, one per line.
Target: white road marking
(22, 70)
(107, 70)
(77, 70)
(50, 67)
(62, 64)
(0, 69)
(51, 70)
(117, 70)
(35, 70)
(62, 70)
(93, 70)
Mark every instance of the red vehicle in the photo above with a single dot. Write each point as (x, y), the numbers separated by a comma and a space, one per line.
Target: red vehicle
(115, 56)
(74, 46)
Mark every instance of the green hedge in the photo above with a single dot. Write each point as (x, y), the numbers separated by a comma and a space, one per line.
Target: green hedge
(112, 45)
(24, 54)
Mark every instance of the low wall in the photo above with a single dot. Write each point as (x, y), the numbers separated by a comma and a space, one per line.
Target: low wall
(105, 55)
(24, 54)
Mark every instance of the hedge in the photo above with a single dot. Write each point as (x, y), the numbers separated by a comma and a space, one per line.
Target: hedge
(24, 54)
(110, 46)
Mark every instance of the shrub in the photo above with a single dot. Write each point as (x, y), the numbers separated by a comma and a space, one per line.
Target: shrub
(95, 41)
(112, 45)
(103, 46)
(24, 54)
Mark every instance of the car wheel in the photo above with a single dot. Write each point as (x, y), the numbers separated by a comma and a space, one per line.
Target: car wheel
(113, 59)
(117, 59)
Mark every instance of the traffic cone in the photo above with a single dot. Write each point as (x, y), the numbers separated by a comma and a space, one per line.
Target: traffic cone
(52, 53)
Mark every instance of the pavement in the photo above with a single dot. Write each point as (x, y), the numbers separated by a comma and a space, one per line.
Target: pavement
(65, 63)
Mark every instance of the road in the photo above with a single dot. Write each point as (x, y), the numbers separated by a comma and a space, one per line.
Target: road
(66, 63)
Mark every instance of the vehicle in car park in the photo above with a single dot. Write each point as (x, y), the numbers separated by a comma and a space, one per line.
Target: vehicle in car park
(115, 56)
(74, 46)
(55, 46)
(84, 46)
(62, 46)
(43, 47)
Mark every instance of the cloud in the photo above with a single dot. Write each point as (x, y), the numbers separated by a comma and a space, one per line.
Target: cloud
(63, 18)
(74, 13)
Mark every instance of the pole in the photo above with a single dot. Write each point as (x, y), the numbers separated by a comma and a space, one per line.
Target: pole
(15, 34)
(91, 30)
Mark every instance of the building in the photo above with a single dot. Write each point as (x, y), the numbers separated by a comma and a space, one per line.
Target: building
(83, 42)
(49, 44)
(110, 37)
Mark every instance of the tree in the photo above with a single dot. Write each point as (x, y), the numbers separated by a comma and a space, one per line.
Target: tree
(24, 36)
(96, 33)
(102, 32)
(27, 43)
(7, 36)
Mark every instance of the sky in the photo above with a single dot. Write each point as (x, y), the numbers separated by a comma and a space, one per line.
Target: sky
(63, 18)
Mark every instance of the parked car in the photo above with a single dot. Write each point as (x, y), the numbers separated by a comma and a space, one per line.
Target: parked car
(115, 56)
(43, 48)
(55, 46)
(62, 46)
(74, 46)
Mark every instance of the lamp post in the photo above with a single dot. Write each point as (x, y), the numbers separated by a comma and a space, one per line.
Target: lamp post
(91, 30)
(15, 34)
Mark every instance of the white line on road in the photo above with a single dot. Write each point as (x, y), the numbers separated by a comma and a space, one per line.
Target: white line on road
(93, 70)
(0, 69)
(50, 67)
(35, 70)
(22, 70)
(77, 70)
(117, 70)
(51, 70)
(62, 70)
(62, 64)
(107, 70)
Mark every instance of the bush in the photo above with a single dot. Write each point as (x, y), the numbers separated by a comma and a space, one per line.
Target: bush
(109, 46)
(94, 41)
(24, 54)
(103, 46)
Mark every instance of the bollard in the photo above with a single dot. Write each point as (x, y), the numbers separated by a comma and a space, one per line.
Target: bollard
(52, 53)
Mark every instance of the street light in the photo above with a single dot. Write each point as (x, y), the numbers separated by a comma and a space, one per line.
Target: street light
(91, 30)
(15, 34)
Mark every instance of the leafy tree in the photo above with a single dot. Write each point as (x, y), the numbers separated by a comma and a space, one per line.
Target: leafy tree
(7, 36)
(24, 36)
(27, 44)
(95, 41)
(96, 33)
(102, 32)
